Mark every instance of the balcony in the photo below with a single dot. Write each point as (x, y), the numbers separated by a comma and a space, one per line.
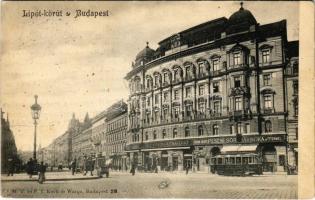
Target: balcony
(268, 110)
(216, 114)
(240, 114)
(202, 75)
(239, 90)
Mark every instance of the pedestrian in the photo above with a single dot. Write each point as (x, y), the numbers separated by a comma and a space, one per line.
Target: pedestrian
(187, 168)
(133, 169)
(10, 167)
(30, 167)
(73, 166)
(42, 170)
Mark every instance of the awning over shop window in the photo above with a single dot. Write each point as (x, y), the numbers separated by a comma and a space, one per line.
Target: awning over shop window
(238, 148)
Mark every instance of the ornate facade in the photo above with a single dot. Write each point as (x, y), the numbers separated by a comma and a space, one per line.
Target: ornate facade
(217, 87)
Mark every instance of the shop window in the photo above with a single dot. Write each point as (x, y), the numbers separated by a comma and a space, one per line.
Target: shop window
(238, 104)
(268, 126)
(267, 79)
(238, 160)
(237, 58)
(187, 132)
(216, 87)
(232, 160)
(266, 55)
(215, 129)
(200, 130)
(174, 132)
(237, 81)
(164, 134)
(220, 161)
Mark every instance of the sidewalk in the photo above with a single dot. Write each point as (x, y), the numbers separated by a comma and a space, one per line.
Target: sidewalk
(50, 176)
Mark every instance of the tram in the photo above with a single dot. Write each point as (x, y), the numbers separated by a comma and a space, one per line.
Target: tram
(236, 164)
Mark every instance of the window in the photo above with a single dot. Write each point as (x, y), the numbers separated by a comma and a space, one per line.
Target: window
(164, 133)
(174, 132)
(237, 58)
(295, 87)
(148, 83)
(215, 87)
(201, 90)
(201, 68)
(201, 107)
(266, 56)
(187, 132)
(267, 102)
(232, 132)
(165, 76)
(239, 128)
(237, 81)
(156, 115)
(188, 75)
(176, 75)
(200, 130)
(148, 118)
(247, 128)
(149, 101)
(238, 104)
(176, 112)
(215, 63)
(156, 98)
(165, 96)
(268, 126)
(156, 80)
(215, 129)
(146, 136)
(165, 112)
(267, 79)
(295, 68)
(296, 108)
(154, 135)
(188, 110)
(296, 133)
(216, 107)
(176, 94)
(188, 91)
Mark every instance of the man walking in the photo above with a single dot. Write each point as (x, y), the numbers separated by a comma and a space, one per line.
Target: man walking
(42, 170)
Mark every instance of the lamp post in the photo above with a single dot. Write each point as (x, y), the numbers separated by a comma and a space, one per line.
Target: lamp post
(36, 108)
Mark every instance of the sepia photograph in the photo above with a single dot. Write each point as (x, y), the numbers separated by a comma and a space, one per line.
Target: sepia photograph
(149, 99)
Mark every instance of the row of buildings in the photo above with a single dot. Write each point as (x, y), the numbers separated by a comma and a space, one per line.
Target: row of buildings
(227, 85)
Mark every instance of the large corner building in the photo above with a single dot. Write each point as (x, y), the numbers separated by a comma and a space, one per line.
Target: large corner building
(224, 85)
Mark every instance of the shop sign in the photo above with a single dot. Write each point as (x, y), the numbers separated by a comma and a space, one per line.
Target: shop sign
(132, 147)
(245, 139)
(166, 144)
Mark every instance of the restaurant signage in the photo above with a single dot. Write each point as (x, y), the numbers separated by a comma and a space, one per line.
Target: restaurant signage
(245, 139)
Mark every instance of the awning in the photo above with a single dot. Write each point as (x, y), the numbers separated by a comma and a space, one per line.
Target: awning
(238, 148)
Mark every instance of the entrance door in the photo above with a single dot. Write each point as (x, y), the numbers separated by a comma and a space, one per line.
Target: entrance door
(164, 163)
(187, 162)
(175, 163)
(269, 158)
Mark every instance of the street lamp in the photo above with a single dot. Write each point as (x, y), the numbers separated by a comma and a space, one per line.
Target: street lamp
(36, 108)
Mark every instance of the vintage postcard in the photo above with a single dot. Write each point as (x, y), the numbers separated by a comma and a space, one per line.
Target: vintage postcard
(136, 99)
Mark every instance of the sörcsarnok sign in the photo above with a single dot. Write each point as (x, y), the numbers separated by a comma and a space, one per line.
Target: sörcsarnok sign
(245, 139)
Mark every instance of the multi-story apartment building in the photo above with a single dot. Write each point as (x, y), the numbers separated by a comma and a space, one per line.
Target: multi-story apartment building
(116, 132)
(98, 134)
(214, 88)
(292, 89)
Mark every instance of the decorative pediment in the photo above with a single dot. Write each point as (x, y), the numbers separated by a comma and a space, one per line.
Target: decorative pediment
(265, 46)
(188, 102)
(166, 71)
(156, 74)
(214, 56)
(238, 47)
(267, 90)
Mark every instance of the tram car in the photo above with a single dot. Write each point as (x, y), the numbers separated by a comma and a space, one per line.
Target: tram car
(236, 165)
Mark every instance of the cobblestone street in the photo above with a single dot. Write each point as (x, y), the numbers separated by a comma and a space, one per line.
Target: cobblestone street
(161, 185)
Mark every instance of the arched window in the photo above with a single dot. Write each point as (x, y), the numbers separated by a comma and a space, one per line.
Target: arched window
(164, 133)
(200, 130)
(187, 132)
(154, 135)
(268, 126)
(215, 129)
(174, 132)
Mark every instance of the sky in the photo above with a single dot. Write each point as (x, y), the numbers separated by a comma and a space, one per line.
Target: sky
(77, 65)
